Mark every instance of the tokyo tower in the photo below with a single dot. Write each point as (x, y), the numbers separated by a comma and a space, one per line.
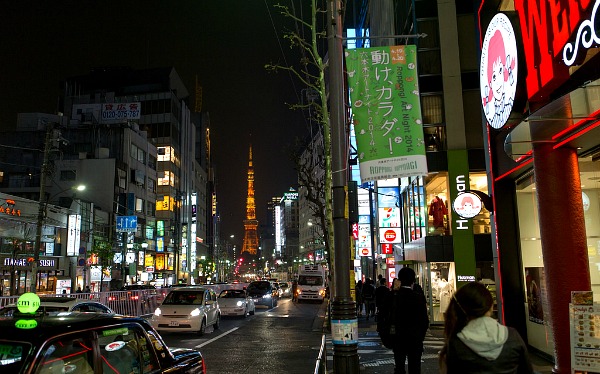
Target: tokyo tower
(250, 223)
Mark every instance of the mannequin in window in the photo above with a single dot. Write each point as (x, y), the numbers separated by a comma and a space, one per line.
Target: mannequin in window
(438, 210)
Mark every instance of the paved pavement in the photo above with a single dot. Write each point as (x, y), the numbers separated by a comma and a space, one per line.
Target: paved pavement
(374, 358)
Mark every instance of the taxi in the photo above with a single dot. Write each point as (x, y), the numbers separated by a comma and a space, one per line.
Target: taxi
(75, 342)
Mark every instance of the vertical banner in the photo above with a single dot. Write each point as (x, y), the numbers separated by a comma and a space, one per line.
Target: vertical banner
(386, 105)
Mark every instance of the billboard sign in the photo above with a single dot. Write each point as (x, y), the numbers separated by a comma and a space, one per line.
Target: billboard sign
(390, 235)
(120, 112)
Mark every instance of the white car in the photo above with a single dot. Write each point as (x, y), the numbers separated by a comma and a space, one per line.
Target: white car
(57, 304)
(236, 303)
(187, 309)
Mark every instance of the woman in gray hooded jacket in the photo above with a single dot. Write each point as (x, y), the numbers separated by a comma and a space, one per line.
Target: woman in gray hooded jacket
(477, 343)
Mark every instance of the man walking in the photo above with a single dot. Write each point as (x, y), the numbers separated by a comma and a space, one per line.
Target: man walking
(408, 315)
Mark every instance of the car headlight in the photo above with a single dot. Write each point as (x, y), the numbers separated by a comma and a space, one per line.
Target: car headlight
(239, 303)
(267, 296)
(195, 312)
(322, 292)
(157, 312)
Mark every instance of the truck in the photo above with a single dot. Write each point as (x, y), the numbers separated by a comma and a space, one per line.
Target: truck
(312, 283)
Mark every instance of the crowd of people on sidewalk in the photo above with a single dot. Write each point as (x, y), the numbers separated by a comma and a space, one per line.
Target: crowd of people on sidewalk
(474, 342)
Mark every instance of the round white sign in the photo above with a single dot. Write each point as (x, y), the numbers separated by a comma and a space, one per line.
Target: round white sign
(498, 71)
(467, 205)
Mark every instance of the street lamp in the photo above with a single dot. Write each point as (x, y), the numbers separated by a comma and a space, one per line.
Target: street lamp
(42, 205)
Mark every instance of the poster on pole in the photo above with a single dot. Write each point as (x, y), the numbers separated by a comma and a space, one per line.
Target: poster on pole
(386, 108)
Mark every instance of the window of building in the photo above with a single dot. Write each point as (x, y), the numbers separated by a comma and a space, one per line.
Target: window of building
(68, 175)
(139, 205)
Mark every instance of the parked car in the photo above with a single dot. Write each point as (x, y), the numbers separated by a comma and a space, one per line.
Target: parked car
(263, 293)
(87, 343)
(191, 308)
(56, 304)
(236, 303)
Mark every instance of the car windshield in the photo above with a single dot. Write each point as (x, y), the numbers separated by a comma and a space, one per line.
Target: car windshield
(184, 297)
(309, 280)
(283, 285)
(12, 356)
(232, 294)
(259, 286)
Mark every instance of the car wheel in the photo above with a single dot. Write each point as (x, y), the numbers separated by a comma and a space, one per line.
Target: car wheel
(217, 322)
(202, 327)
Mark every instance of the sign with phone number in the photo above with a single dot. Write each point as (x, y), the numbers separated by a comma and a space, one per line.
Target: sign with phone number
(120, 111)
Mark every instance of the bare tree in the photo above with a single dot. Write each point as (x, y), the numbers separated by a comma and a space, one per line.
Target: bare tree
(311, 73)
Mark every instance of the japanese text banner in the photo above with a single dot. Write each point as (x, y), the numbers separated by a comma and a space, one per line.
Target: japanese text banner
(387, 112)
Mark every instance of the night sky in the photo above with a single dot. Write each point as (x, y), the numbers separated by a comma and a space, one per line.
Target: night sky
(226, 43)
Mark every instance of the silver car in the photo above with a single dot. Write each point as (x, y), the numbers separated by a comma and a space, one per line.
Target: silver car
(187, 309)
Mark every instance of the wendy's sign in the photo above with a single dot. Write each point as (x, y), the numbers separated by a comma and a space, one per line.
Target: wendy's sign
(498, 71)
(548, 29)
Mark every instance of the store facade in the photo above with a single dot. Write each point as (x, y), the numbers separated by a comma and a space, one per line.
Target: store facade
(545, 173)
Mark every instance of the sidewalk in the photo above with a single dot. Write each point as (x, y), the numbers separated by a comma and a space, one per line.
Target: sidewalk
(374, 358)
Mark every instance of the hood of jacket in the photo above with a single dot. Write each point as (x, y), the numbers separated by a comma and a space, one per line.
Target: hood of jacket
(484, 336)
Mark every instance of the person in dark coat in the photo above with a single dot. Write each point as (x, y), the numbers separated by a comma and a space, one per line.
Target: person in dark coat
(408, 315)
(381, 294)
(477, 343)
(359, 299)
(368, 295)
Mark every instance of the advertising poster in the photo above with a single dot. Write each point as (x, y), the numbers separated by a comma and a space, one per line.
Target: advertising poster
(386, 105)
(534, 279)
(584, 320)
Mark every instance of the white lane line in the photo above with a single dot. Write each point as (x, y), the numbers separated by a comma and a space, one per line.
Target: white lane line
(215, 338)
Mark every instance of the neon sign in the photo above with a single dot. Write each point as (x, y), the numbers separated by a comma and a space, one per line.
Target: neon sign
(546, 27)
(586, 34)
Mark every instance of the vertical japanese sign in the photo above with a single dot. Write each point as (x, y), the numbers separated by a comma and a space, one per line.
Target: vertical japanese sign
(387, 111)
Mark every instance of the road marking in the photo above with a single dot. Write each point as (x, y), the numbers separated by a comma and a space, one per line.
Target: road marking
(216, 338)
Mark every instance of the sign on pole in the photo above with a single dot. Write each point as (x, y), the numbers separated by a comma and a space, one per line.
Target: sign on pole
(126, 223)
(386, 106)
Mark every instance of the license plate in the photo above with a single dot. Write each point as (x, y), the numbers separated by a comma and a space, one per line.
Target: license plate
(173, 323)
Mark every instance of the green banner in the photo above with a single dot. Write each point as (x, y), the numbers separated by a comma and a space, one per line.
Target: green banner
(462, 228)
(387, 119)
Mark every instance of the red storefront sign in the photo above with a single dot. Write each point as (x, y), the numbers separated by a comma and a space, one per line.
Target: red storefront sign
(546, 28)
(387, 249)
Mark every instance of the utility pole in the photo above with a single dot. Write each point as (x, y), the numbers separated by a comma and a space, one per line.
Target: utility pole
(344, 322)
(41, 209)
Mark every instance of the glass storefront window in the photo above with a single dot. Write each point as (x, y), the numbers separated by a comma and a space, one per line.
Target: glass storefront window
(535, 306)
(439, 289)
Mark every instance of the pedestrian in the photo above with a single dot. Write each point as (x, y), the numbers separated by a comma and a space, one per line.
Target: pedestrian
(359, 299)
(381, 294)
(368, 295)
(87, 289)
(78, 289)
(407, 313)
(294, 290)
(477, 343)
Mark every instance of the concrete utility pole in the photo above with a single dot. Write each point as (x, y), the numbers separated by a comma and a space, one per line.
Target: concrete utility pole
(41, 209)
(344, 322)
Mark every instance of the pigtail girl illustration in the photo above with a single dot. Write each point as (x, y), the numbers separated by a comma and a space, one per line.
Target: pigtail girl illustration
(500, 75)
(498, 72)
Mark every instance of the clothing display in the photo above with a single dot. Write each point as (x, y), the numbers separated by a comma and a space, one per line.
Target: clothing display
(438, 210)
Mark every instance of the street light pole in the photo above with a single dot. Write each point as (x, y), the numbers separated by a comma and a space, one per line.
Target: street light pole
(344, 322)
(41, 210)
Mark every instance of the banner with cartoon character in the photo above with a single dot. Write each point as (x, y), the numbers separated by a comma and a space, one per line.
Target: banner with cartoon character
(386, 108)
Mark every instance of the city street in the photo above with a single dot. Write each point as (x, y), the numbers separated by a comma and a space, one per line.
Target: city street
(285, 339)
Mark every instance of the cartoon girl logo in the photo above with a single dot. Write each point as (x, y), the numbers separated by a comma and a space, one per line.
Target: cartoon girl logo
(498, 71)
(467, 205)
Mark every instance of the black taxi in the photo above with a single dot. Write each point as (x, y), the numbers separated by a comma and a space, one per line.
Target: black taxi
(73, 342)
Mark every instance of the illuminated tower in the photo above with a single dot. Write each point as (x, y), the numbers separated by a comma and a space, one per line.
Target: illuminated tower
(250, 223)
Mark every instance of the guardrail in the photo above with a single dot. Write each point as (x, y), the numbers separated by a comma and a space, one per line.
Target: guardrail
(321, 364)
(131, 303)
